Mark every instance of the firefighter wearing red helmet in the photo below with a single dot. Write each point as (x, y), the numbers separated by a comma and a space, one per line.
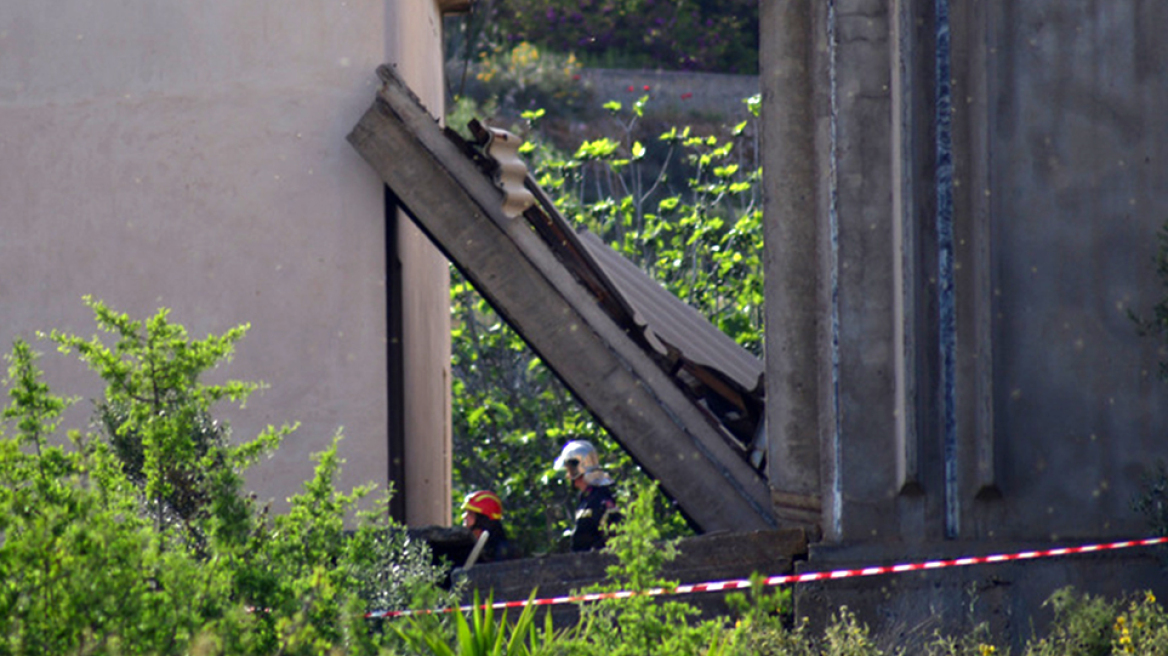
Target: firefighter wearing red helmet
(483, 514)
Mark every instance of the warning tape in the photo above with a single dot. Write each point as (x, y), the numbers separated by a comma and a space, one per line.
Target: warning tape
(785, 579)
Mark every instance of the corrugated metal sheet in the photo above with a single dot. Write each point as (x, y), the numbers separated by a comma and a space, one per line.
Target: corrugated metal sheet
(674, 322)
(720, 377)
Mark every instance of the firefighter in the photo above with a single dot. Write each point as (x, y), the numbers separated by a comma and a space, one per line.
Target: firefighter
(483, 515)
(596, 510)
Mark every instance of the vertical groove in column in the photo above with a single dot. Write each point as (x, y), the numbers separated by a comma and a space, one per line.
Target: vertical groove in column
(833, 266)
(904, 240)
(945, 273)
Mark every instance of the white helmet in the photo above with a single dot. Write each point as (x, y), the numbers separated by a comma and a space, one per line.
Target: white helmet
(579, 458)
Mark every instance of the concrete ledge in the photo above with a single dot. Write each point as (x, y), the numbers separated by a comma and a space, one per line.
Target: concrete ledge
(905, 610)
(711, 557)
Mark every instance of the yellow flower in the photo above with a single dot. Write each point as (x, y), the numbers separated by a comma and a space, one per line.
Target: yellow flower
(986, 650)
(1149, 597)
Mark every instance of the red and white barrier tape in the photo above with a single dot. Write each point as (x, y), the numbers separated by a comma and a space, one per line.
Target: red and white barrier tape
(719, 586)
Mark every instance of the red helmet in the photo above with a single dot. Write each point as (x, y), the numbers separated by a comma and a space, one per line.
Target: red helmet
(484, 502)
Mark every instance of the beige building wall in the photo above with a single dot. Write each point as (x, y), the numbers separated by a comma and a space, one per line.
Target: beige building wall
(192, 155)
(414, 29)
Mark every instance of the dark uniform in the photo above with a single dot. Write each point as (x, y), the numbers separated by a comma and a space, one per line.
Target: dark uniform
(498, 547)
(594, 514)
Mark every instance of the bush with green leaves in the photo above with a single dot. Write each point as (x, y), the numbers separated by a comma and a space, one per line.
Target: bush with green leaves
(642, 624)
(521, 77)
(483, 634)
(138, 538)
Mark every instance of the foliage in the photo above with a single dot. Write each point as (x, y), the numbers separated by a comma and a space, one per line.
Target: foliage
(1082, 626)
(642, 624)
(686, 208)
(156, 415)
(522, 77)
(693, 35)
(696, 227)
(482, 635)
(1152, 502)
(141, 540)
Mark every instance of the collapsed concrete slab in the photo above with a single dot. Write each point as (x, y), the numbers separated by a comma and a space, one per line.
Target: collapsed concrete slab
(545, 284)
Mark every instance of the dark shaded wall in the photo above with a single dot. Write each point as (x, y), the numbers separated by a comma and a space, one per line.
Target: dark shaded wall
(1078, 187)
(962, 206)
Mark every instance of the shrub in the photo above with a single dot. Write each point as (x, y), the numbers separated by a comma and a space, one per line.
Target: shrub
(522, 76)
(642, 624)
(139, 539)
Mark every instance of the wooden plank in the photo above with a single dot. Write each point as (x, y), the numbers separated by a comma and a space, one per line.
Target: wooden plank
(454, 203)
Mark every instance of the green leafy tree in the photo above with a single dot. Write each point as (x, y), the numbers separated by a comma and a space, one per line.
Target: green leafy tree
(80, 567)
(157, 413)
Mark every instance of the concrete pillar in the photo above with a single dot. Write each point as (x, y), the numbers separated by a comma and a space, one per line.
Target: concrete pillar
(414, 38)
(799, 417)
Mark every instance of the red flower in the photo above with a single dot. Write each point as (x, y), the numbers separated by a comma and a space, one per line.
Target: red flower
(686, 96)
(632, 88)
(646, 87)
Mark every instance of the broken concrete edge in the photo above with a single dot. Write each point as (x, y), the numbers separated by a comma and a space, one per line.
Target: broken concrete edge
(447, 195)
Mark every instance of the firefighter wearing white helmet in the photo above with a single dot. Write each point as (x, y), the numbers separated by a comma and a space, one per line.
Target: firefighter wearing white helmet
(596, 509)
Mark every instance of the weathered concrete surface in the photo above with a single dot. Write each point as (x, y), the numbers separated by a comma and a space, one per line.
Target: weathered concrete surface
(194, 157)
(799, 412)
(905, 610)
(712, 557)
(414, 40)
(1058, 407)
(1076, 192)
(1057, 194)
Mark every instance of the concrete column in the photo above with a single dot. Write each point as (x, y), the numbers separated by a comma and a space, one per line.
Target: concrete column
(414, 38)
(862, 195)
(798, 372)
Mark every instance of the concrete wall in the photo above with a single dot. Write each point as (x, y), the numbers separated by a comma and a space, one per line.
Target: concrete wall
(193, 156)
(1077, 145)
(414, 29)
(950, 361)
